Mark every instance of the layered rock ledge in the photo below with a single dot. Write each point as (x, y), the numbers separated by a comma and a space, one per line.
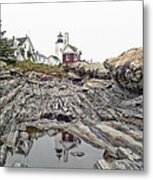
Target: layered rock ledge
(102, 104)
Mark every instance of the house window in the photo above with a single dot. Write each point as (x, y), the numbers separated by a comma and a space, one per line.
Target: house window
(75, 57)
(67, 56)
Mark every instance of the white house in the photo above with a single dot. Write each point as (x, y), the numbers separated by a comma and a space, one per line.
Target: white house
(40, 58)
(64, 51)
(53, 60)
(23, 48)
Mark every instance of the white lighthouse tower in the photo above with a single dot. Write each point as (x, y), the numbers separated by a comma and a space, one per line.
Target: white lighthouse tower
(59, 46)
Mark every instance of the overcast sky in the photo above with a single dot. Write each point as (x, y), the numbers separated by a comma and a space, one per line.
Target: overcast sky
(99, 29)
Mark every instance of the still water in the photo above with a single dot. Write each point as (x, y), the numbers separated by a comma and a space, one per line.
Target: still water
(56, 150)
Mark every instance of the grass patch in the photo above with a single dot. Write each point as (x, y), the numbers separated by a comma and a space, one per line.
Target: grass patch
(27, 65)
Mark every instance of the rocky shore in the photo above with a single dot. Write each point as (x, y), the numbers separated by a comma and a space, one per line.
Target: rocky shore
(100, 103)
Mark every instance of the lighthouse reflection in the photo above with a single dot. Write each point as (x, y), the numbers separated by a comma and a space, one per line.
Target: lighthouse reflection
(55, 148)
(64, 143)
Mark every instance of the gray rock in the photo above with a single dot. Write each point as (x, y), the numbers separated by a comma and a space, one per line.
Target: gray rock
(5, 75)
(3, 153)
(124, 165)
(109, 156)
(22, 127)
(124, 153)
(104, 106)
(19, 165)
(2, 64)
(24, 135)
(127, 70)
(102, 164)
(12, 138)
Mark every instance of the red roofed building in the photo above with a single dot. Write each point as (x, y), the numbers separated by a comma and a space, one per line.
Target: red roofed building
(65, 51)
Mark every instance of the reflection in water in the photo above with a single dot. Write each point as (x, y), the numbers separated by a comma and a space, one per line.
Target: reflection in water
(64, 142)
(55, 149)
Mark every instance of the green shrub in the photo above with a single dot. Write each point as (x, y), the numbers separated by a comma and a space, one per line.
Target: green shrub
(27, 65)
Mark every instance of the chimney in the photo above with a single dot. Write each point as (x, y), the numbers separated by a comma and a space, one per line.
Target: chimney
(66, 36)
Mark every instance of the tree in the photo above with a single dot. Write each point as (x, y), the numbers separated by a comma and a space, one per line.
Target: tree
(6, 49)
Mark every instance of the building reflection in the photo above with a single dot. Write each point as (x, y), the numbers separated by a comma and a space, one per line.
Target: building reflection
(23, 146)
(64, 143)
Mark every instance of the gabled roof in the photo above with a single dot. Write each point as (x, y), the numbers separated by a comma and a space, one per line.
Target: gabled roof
(22, 40)
(41, 55)
(72, 48)
(54, 57)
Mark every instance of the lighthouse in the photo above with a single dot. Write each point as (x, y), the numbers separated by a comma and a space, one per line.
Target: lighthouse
(58, 145)
(59, 46)
(64, 51)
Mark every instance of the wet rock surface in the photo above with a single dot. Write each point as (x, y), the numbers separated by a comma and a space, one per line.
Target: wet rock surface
(103, 106)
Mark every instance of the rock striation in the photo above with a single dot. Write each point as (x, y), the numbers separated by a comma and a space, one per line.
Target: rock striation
(127, 70)
(102, 104)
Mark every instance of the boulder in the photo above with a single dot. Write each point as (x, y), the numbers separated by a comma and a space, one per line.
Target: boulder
(92, 70)
(96, 83)
(127, 70)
